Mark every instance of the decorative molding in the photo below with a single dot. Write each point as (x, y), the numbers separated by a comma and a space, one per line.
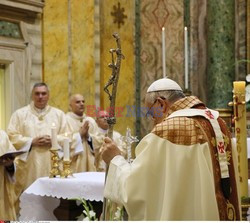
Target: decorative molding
(28, 8)
(6, 43)
(36, 3)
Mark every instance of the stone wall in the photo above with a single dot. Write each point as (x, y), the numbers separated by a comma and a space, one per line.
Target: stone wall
(20, 50)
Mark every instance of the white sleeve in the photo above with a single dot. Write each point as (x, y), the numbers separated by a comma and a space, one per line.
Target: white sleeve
(118, 168)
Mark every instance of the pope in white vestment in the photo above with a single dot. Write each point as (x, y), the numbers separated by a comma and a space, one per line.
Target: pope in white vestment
(83, 129)
(185, 169)
(30, 129)
(7, 208)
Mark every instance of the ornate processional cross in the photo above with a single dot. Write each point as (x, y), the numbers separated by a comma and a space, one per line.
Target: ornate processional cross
(129, 139)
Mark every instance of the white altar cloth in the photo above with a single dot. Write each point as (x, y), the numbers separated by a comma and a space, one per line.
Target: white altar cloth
(39, 200)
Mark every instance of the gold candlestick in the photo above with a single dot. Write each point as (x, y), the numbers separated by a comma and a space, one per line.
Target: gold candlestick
(66, 169)
(245, 205)
(54, 163)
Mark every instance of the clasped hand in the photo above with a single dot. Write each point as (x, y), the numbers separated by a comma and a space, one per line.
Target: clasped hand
(84, 130)
(109, 150)
(42, 141)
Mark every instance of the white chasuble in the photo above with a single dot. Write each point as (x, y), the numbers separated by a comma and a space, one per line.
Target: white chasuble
(176, 174)
(140, 186)
(7, 210)
(25, 124)
(81, 152)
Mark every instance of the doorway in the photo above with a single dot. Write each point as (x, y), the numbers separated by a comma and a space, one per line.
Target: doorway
(2, 98)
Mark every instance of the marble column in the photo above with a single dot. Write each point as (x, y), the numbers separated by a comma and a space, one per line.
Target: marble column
(221, 60)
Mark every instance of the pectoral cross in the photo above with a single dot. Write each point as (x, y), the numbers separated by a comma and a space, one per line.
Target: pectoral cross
(129, 139)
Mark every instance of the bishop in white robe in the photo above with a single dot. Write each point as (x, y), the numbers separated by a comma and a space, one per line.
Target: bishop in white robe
(30, 129)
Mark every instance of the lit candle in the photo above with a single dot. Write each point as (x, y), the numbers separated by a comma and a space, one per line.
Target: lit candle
(186, 56)
(241, 135)
(66, 148)
(163, 52)
(53, 136)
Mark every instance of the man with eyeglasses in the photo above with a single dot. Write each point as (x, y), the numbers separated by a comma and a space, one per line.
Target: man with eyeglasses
(185, 169)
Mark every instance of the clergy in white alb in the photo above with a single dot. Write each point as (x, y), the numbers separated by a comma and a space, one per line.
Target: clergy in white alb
(185, 169)
(7, 208)
(101, 120)
(83, 130)
(30, 128)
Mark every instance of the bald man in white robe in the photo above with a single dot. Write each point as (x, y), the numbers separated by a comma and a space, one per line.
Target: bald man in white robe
(185, 169)
(83, 130)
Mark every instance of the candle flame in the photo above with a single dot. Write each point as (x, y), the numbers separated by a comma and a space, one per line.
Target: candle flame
(66, 134)
(163, 28)
(53, 124)
(185, 28)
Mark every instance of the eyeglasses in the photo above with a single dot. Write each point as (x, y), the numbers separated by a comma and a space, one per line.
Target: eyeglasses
(149, 112)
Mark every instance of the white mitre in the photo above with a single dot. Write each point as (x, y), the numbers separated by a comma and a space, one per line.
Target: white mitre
(164, 84)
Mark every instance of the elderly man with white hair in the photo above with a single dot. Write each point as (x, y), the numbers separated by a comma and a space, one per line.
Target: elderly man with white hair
(185, 169)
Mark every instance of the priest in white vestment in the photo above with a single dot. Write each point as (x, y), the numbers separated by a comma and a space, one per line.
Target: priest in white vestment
(101, 120)
(185, 169)
(30, 129)
(83, 130)
(7, 170)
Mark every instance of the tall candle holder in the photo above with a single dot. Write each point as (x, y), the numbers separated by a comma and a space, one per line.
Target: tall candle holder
(239, 108)
(54, 163)
(66, 169)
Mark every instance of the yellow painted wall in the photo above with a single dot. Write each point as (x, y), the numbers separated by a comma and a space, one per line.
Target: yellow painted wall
(68, 50)
(83, 78)
(61, 44)
(55, 51)
(126, 86)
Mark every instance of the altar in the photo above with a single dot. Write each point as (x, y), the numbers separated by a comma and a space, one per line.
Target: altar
(38, 201)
